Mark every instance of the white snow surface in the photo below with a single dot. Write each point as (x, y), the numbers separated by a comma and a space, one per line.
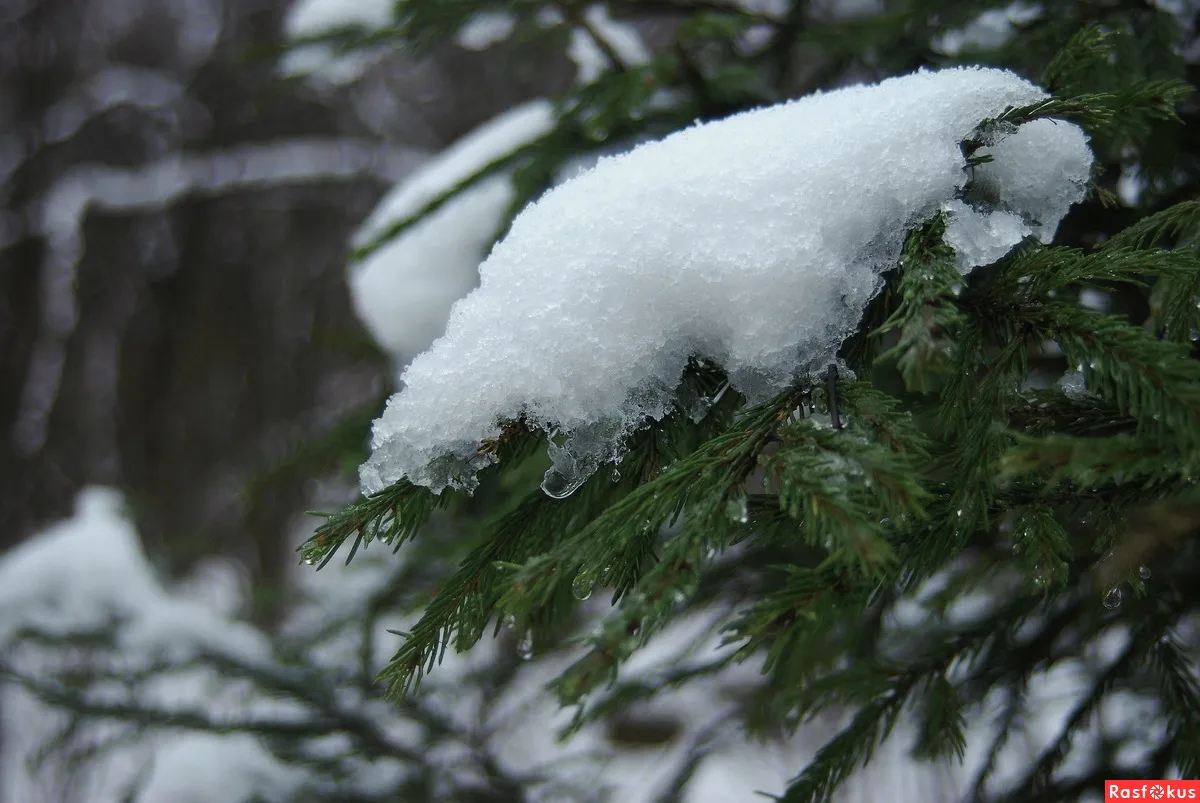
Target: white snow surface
(755, 241)
(403, 290)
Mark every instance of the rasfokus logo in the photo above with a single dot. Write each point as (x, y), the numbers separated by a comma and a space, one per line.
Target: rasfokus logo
(1151, 790)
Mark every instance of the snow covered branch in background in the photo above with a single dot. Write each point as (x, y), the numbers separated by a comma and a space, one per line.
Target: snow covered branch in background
(61, 212)
(321, 61)
(161, 691)
(755, 241)
(991, 29)
(165, 693)
(404, 288)
(600, 44)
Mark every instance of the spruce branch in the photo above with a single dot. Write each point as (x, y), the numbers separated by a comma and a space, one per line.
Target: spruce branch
(927, 315)
(1068, 70)
(392, 516)
(1176, 679)
(941, 722)
(1171, 223)
(1149, 380)
(1042, 546)
(1125, 113)
(1036, 273)
(399, 511)
(709, 476)
(1091, 462)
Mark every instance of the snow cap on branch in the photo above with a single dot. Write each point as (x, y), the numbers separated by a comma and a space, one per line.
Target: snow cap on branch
(755, 242)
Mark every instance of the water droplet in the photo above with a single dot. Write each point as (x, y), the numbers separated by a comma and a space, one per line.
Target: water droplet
(961, 513)
(582, 585)
(560, 484)
(599, 132)
(508, 620)
(1040, 578)
(736, 509)
(1144, 572)
(956, 289)
(525, 646)
(310, 561)
(616, 474)
(1112, 599)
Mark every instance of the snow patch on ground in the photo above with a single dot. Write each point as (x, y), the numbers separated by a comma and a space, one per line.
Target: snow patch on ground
(755, 241)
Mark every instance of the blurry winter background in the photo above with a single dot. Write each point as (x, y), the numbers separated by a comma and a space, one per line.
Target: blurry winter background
(187, 366)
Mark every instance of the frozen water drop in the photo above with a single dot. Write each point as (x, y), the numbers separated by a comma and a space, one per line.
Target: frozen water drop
(1112, 599)
(616, 474)
(525, 646)
(737, 509)
(1144, 572)
(559, 484)
(582, 585)
(1073, 383)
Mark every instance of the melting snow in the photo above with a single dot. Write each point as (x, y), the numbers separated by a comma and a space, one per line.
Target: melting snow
(755, 241)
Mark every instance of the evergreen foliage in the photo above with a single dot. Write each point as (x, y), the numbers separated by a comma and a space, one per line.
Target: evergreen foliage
(943, 465)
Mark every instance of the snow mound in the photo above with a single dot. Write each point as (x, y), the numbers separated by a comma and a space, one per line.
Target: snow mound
(82, 573)
(755, 242)
(403, 291)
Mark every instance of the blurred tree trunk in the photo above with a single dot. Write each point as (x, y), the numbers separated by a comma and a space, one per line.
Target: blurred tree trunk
(182, 343)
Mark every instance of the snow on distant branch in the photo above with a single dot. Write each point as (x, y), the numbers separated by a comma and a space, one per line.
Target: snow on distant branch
(598, 39)
(90, 571)
(60, 213)
(755, 241)
(312, 18)
(484, 29)
(404, 289)
(991, 29)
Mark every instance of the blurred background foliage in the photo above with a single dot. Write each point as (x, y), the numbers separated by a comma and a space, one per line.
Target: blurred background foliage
(175, 214)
